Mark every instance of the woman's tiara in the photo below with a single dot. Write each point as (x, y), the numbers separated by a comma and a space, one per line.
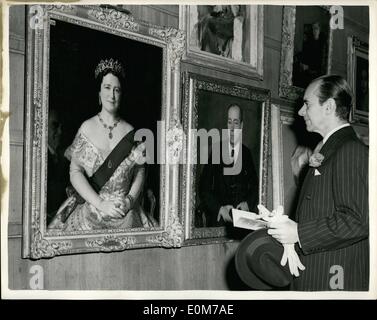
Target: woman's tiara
(109, 64)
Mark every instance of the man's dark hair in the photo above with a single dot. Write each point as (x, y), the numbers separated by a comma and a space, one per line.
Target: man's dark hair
(239, 107)
(336, 87)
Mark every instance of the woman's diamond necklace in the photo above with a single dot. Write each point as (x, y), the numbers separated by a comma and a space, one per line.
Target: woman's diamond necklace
(110, 128)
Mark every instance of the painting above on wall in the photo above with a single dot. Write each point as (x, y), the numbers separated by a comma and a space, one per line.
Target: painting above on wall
(358, 77)
(228, 37)
(311, 45)
(86, 185)
(306, 48)
(227, 129)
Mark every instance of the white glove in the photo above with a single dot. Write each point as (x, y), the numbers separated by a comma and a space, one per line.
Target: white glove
(291, 256)
(275, 215)
(264, 213)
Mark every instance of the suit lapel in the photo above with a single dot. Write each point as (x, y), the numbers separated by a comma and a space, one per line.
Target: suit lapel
(328, 149)
(303, 190)
(336, 140)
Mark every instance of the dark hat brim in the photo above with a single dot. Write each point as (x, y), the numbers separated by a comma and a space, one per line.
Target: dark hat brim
(247, 275)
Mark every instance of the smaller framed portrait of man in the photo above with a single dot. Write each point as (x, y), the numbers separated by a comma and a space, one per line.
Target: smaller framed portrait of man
(306, 48)
(226, 126)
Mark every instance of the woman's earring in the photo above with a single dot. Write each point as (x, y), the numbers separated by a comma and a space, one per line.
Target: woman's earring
(99, 101)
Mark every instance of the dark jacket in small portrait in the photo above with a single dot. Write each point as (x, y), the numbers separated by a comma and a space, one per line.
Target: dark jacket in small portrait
(217, 189)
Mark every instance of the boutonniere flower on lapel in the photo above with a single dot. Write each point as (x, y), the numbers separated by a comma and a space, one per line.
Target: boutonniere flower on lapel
(316, 159)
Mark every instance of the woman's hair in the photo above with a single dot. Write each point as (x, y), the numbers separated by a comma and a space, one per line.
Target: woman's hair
(337, 88)
(107, 66)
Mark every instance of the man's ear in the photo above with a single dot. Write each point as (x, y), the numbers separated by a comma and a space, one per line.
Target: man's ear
(330, 106)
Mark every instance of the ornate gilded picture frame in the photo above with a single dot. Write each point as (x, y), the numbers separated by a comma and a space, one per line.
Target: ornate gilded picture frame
(64, 45)
(292, 146)
(358, 78)
(225, 37)
(205, 110)
(306, 48)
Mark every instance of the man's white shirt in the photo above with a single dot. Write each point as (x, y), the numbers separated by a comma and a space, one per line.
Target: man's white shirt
(236, 149)
(327, 136)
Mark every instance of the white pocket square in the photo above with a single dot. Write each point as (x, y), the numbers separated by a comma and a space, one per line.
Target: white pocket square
(316, 172)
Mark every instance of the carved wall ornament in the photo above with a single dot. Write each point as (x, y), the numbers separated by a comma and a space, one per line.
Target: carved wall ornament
(114, 19)
(175, 138)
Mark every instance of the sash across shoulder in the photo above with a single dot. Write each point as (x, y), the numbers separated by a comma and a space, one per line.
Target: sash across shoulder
(113, 160)
(103, 173)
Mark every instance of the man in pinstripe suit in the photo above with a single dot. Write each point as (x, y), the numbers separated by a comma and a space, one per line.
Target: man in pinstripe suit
(331, 223)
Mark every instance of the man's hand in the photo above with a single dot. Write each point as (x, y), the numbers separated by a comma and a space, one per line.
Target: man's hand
(275, 215)
(292, 258)
(283, 230)
(224, 213)
(243, 206)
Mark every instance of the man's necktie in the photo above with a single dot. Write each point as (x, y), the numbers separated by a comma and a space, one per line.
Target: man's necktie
(232, 156)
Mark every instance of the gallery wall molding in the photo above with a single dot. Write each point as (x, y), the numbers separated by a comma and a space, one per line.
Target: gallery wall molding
(16, 138)
(272, 43)
(356, 25)
(163, 9)
(16, 44)
(14, 230)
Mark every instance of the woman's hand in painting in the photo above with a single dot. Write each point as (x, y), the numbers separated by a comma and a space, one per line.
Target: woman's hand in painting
(111, 209)
(129, 203)
(243, 206)
(139, 154)
(224, 213)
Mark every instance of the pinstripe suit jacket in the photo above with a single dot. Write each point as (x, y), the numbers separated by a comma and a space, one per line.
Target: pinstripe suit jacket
(332, 216)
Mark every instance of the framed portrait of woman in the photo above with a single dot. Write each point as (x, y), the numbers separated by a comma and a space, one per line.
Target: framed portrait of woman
(96, 175)
(306, 48)
(226, 125)
(225, 37)
(358, 77)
